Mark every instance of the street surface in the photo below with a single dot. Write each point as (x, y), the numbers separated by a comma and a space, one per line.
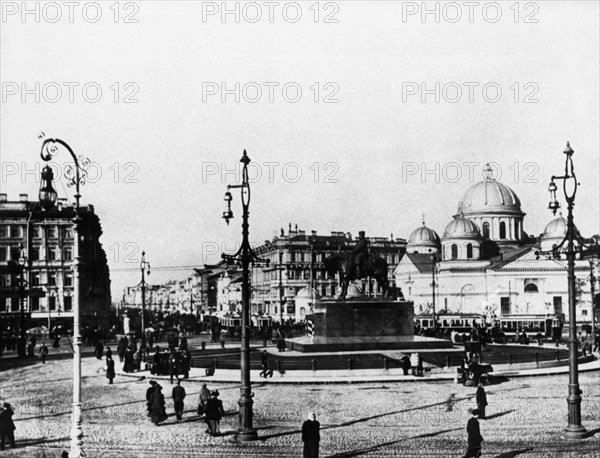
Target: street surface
(422, 419)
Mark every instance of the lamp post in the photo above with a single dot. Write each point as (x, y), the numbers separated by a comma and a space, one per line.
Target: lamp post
(244, 256)
(23, 338)
(47, 196)
(434, 261)
(574, 428)
(145, 268)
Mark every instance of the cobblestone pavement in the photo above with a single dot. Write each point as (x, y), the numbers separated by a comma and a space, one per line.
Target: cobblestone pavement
(526, 417)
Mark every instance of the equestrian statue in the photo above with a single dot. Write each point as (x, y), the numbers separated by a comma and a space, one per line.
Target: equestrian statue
(358, 264)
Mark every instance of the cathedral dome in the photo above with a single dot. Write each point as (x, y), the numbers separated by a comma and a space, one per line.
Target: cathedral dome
(461, 227)
(556, 229)
(307, 293)
(423, 238)
(489, 196)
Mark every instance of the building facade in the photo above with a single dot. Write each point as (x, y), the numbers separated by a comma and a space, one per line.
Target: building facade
(296, 275)
(485, 263)
(41, 244)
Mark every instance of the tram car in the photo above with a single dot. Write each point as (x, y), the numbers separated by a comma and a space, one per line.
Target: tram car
(459, 322)
(543, 324)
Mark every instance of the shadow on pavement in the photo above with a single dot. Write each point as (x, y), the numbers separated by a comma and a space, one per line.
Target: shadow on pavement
(514, 453)
(496, 415)
(378, 447)
(592, 432)
(39, 441)
(361, 420)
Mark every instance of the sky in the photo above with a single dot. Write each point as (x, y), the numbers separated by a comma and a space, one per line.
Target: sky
(357, 115)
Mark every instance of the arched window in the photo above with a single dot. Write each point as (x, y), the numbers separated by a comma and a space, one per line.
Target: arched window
(454, 249)
(486, 230)
(517, 229)
(531, 288)
(469, 251)
(502, 230)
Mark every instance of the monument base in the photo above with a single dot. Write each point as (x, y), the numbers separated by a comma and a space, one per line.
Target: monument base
(352, 344)
(362, 323)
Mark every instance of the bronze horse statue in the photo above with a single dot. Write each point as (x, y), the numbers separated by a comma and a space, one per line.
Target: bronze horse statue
(341, 264)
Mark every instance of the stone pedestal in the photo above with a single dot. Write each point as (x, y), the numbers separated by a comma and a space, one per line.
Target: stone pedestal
(363, 324)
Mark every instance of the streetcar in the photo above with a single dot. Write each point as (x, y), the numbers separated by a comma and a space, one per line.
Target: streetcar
(530, 324)
(459, 322)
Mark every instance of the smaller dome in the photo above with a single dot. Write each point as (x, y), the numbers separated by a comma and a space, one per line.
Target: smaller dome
(461, 227)
(307, 293)
(424, 236)
(556, 229)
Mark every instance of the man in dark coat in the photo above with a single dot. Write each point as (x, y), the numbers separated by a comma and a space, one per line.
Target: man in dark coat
(43, 353)
(474, 436)
(110, 369)
(214, 412)
(173, 365)
(311, 436)
(178, 395)
(264, 361)
(203, 399)
(481, 399)
(7, 426)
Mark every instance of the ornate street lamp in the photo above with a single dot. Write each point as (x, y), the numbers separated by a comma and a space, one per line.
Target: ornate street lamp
(244, 256)
(574, 429)
(145, 268)
(23, 263)
(76, 176)
(434, 264)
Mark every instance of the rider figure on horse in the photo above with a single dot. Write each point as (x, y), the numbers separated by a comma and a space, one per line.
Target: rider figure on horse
(359, 255)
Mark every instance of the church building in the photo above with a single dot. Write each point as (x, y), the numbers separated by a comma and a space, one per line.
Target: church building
(485, 264)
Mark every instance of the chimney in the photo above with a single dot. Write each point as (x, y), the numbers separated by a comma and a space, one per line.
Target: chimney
(3, 197)
(313, 232)
(23, 197)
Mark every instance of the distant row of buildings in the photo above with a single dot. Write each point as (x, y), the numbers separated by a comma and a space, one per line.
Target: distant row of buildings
(296, 263)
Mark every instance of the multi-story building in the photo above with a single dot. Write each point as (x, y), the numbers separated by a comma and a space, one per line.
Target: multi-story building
(41, 243)
(297, 260)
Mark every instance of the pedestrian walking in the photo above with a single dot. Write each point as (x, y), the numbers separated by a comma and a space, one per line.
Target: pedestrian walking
(173, 365)
(43, 353)
(178, 395)
(214, 412)
(99, 350)
(474, 438)
(405, 363)
(56, 342)
(157, 406)
(203, 399)
(414, 363)
(481, 399)
(121, 347)
(311, 436)
(110, 369)
(266, 372)
(7, 426)
(108, 352)
(149, 393)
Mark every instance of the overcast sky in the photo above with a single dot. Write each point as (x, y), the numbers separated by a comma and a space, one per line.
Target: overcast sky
(342, 106)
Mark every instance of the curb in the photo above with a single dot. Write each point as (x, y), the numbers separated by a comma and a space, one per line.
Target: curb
(233, 376)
